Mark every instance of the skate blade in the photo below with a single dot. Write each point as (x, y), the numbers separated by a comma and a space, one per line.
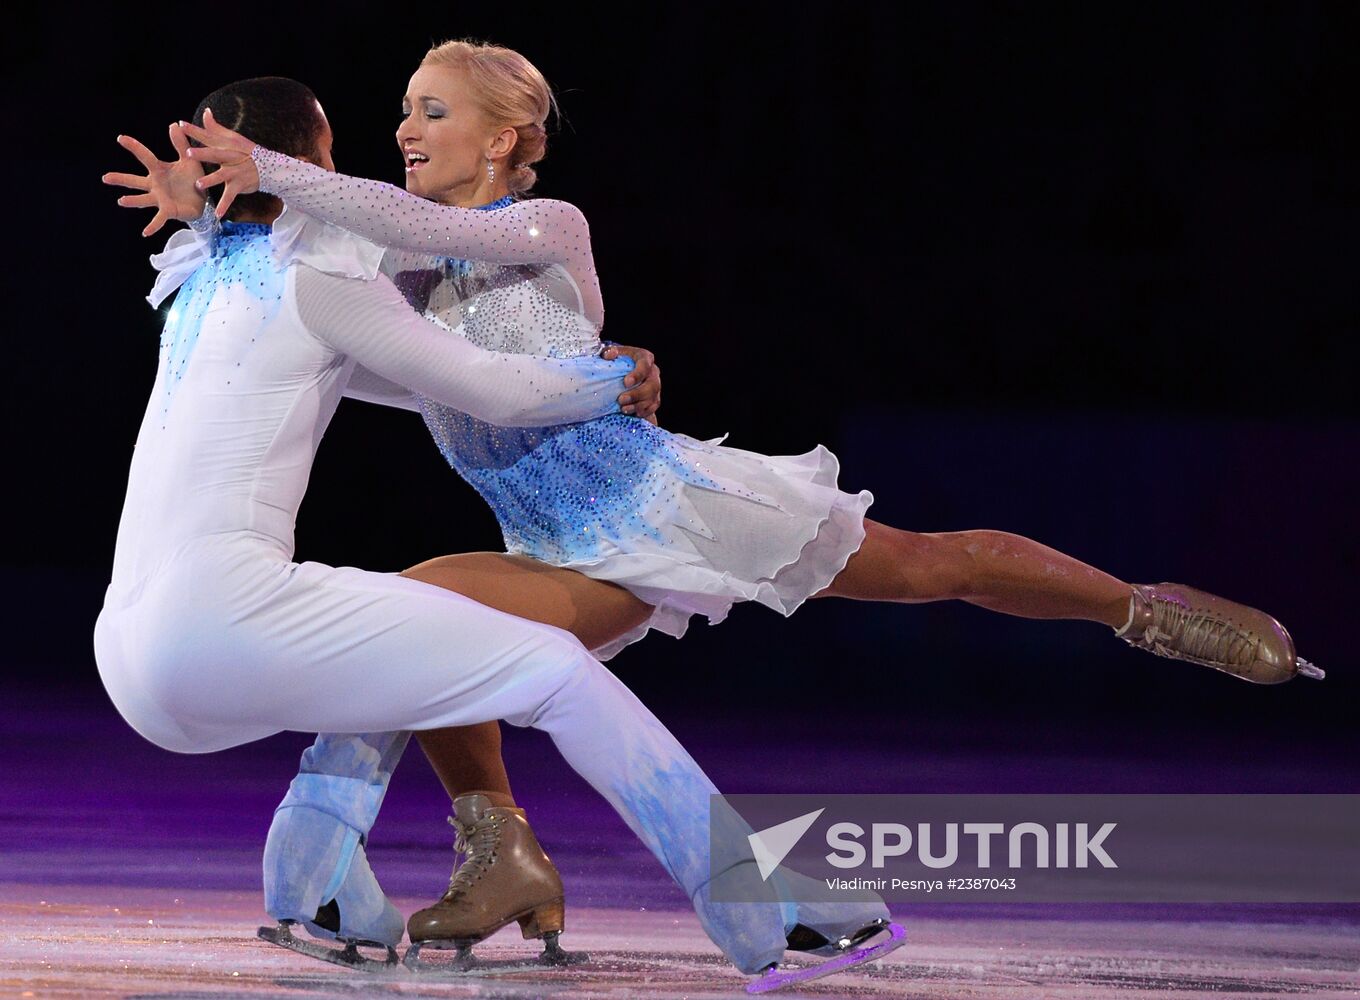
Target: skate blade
(776, 979)
(1307, 669)
(466, 964)
(349, 957)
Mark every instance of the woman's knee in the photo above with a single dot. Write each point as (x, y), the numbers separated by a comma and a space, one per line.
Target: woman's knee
(946, 566)
(976, 557)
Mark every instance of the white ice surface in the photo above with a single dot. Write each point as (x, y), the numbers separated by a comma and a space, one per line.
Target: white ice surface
(73, 941)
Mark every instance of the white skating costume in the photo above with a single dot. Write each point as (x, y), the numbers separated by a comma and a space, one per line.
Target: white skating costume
(688, 526)
(211, 636)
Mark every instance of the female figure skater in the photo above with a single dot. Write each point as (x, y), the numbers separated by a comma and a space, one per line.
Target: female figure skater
(684, 526)
(211, 636)
(680, 525)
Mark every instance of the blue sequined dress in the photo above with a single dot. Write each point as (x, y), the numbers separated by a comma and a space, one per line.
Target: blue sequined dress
(688, 526)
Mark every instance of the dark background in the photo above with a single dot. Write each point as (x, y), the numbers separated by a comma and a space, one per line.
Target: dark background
(1083, 272)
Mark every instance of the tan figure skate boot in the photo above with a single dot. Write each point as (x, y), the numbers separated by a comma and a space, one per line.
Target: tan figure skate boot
(504, 876)
(1182, 623)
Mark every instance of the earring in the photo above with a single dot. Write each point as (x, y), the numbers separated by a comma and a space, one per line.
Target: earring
(490, 171)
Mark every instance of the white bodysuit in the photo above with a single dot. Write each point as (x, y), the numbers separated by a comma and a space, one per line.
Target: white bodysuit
(211, 636)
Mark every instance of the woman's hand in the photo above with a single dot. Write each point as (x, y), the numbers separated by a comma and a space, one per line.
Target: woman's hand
(231, 152)
(643, 383)
(168, 186)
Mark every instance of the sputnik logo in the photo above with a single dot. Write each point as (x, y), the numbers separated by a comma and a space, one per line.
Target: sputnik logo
(772, 844)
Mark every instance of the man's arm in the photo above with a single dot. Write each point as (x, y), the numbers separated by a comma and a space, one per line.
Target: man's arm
(643, 400)
(371, 322)
(370, 388)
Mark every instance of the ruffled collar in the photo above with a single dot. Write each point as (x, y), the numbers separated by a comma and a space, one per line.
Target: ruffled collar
(300, 238)
(294, 237)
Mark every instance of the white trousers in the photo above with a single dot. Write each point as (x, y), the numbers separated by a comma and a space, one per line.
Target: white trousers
(229, 642)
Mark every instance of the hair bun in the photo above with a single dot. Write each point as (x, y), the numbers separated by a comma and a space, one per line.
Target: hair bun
(507, 88)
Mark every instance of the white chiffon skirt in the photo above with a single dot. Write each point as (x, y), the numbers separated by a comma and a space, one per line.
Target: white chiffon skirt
(773, 529)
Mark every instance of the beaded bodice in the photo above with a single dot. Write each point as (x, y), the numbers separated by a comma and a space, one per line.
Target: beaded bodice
(516, 279)
(556, 491)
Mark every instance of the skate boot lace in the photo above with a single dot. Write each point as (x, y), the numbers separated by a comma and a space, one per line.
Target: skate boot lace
(1194, 635)
(474, 850)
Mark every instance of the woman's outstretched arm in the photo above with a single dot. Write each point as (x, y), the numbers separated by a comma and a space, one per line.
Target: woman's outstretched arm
(538, 231)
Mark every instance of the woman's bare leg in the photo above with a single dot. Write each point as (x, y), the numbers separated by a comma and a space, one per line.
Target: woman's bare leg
(468, 758)
(992, 569)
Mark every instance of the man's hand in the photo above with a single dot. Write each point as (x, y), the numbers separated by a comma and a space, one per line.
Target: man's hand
(643, 383)
(168, 187)
(231, 151)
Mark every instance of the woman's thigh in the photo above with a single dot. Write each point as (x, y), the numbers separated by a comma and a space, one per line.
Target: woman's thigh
(595, 611)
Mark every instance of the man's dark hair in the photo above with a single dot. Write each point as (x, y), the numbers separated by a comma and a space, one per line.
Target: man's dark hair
(278, 113)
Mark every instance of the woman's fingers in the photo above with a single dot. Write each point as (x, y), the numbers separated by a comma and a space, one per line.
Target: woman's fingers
(222, 135)
(234, 181)
(219, 176)
(179, 140)
(195, 132)
(161, 218)
(210, 133)
(135, 181)
(216, 154)
(228, 195)
(144, 156)
(219, 139)
(139, 201)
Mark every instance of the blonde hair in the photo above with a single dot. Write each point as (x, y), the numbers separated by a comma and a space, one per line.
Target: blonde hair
(509, 91)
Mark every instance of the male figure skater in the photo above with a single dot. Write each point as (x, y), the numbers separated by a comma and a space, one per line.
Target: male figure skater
(211, 636)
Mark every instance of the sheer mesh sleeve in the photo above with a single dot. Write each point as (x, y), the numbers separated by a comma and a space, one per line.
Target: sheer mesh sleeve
(370, 388)
(207, 223)
(538, 231)
(370, 322)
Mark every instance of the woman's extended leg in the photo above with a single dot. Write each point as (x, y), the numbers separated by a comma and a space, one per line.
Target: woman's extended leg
(992, 569)
(1017, 576)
